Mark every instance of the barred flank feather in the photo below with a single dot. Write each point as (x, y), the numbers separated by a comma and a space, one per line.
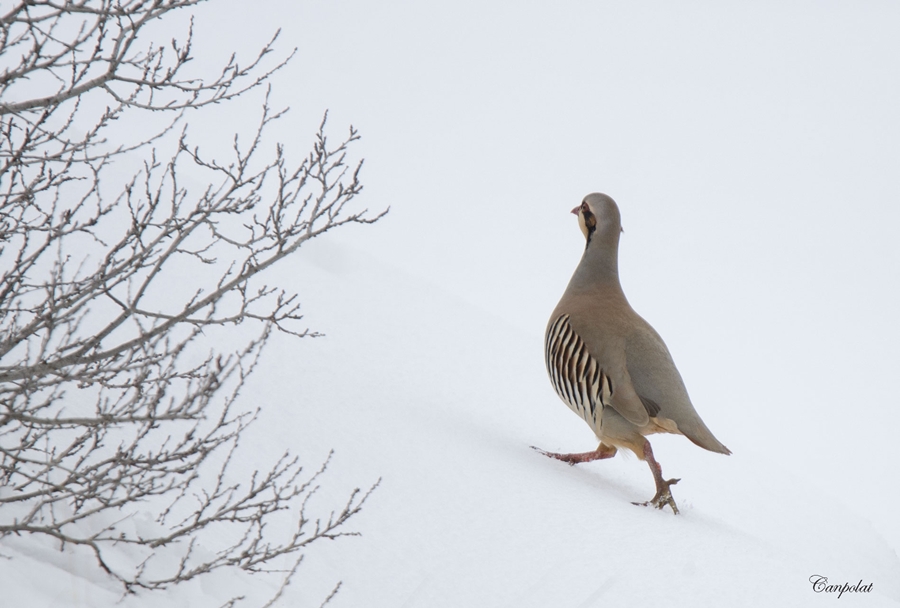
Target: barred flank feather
(575, 374)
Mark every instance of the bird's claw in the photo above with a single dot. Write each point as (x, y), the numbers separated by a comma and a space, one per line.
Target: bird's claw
(554, 455)
(600, 453)
(663, 497)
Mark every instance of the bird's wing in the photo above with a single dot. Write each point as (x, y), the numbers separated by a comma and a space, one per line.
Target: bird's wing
(659, 385)
(583, 356)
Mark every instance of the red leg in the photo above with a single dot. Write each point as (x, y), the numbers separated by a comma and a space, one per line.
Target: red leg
(663, 493)
(602, 452)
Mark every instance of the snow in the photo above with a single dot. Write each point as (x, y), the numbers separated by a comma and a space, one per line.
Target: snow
(442, 402)
(481, 519)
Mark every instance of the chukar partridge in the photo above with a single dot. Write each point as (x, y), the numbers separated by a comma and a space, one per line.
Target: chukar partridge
(608, 365)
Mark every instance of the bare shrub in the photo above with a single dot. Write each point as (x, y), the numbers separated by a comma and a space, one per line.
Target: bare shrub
(116, 395)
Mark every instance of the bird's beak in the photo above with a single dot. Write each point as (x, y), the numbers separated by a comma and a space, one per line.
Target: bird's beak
(576, 210)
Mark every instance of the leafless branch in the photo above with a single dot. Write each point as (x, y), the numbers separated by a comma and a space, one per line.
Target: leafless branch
(114, 398)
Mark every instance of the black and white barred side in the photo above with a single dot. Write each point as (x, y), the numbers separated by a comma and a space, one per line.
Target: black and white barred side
(575, 374)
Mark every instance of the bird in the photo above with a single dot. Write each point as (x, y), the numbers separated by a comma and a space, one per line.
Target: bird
(609, 365)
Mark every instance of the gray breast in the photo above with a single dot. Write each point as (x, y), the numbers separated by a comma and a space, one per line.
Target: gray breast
(575, 374)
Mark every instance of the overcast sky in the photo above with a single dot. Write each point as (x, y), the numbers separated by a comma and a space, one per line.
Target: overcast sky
(753, 148)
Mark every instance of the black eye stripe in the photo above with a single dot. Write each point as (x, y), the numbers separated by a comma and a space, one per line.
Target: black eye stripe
(590, 222)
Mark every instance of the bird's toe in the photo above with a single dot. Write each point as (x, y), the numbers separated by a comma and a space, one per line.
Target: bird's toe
(663, 497)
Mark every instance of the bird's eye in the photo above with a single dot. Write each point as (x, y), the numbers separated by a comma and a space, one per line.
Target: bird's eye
(585, 208)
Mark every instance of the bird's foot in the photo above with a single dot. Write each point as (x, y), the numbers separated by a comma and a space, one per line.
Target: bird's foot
(663, 496)
(573, 459)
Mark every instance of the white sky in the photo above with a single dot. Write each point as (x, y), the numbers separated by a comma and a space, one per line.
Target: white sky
(754, 150)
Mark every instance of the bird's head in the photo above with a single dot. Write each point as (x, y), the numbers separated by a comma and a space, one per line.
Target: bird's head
(598, 212)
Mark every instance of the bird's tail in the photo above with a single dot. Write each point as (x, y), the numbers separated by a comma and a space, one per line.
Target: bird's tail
(702, 436)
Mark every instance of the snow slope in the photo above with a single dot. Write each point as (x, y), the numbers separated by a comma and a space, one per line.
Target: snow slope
(442, 401)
